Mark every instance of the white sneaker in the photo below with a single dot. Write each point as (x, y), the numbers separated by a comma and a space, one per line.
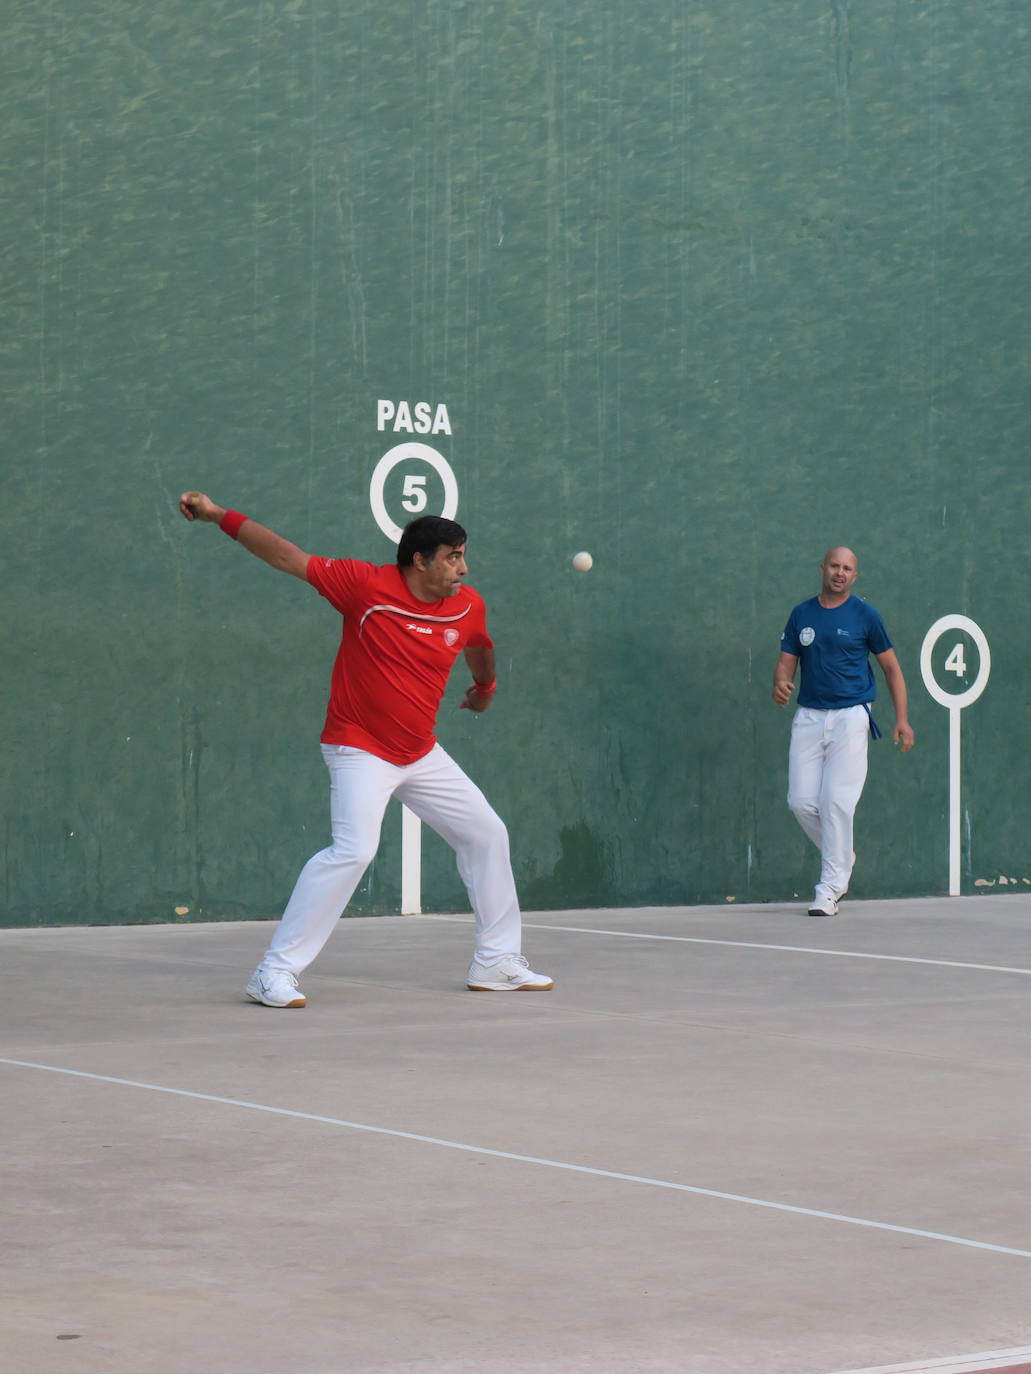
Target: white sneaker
(826, 906)
(510, 973)
(272, 987)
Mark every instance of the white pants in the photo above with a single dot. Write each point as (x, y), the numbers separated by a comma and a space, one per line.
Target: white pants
(826, 772)
(439, 793)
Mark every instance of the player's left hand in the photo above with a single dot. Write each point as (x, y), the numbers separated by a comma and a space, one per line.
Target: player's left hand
(903, 736)
(474, 700)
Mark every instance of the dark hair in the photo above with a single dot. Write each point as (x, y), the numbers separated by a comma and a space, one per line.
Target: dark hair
(425, 535)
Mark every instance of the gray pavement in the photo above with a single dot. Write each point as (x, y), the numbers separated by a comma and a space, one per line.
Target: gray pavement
(731, 1139)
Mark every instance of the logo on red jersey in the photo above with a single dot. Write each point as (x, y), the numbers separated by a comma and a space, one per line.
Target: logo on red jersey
(450, 637)
(401, 610)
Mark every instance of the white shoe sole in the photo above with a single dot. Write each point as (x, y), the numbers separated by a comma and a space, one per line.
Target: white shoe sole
(510, 987)
(298, 1001)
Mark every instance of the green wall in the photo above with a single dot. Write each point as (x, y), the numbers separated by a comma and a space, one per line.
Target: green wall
(703, 287)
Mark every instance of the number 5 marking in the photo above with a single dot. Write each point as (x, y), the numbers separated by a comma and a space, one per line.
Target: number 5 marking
(414, 493)
(413, 485)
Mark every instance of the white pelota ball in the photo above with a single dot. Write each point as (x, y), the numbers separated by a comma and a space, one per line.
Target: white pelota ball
(583, 562)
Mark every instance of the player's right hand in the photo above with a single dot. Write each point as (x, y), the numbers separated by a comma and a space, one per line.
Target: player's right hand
(782, 692)
(194, 505)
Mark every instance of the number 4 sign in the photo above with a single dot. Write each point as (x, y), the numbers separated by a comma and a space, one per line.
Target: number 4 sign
(956, 663)
(954, 703)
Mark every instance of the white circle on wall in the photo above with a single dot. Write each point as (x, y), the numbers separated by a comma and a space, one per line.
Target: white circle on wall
(399, 454)
(955, 701)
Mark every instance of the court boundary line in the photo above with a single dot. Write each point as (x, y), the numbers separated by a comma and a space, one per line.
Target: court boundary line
(585, 1169)
(749, 944)
(986, 1360)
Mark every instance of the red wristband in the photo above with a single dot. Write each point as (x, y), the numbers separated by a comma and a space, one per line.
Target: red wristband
(485, 689)
(231, 522)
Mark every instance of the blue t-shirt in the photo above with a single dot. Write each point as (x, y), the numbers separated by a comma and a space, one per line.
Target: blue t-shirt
(833, 648)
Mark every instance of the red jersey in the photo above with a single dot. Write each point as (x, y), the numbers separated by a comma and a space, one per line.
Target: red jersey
(394, 658)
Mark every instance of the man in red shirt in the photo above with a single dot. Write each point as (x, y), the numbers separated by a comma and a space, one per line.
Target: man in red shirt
(404, 625)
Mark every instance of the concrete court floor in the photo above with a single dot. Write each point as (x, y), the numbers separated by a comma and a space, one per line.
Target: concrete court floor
(270, 1190)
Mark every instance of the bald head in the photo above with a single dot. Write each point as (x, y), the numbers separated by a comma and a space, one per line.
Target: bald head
(840, 554)
(838, 571)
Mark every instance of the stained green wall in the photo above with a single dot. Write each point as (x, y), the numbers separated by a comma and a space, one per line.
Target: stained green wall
(704, 287)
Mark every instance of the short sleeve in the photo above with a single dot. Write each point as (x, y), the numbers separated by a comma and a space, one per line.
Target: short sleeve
(876, 634)
(339, 580)
(789, 639)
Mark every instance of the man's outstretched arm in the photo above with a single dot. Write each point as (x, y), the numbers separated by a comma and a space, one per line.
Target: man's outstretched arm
(264, 543)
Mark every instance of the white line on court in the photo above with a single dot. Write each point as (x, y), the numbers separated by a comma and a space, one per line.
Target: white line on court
(955, 1364)
(747, 944)
(528, 1159)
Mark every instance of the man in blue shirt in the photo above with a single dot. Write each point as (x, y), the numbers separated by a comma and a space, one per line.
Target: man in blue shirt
(832, 635)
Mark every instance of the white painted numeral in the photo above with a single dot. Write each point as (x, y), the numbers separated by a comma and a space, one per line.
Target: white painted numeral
(955, 662)
(415, 494)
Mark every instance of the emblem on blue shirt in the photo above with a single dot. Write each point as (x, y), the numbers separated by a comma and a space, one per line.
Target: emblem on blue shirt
(806, 636)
